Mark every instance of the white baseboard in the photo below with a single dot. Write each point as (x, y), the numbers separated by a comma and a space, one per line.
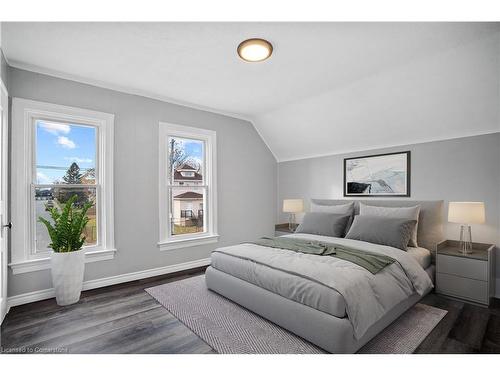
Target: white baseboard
(39, 295)
(3, 309)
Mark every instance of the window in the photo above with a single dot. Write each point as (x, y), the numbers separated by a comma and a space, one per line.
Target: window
(187, 186)
(64, 152)
(64, 165)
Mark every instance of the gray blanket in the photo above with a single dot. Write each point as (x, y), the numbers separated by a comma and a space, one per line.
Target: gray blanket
(372, 262)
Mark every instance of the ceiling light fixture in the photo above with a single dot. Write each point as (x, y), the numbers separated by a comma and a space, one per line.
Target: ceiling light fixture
(255, 50)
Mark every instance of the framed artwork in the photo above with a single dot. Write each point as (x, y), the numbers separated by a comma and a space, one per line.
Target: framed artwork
(383, 175)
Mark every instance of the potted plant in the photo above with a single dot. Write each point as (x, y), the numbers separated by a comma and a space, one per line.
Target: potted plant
(68, 258)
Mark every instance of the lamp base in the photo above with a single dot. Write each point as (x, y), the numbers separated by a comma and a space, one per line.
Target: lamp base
(465, 239)
(291, 223)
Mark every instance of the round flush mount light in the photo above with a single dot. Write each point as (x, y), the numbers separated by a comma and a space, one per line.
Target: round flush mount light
(255, 50)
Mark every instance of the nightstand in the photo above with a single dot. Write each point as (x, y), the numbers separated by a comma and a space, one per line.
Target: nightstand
(282, 229)
(468, 277)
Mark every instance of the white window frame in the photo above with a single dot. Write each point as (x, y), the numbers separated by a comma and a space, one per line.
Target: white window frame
(166, 241)
(24, 257)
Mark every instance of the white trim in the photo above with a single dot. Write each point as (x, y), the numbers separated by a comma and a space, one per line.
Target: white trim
(187, 242)
(125, 89)
(40, 264)
(209, 137)
(39, 295)
(4, 171)
(387, 146)
(4, 309)
(24, 112)
(3, 88)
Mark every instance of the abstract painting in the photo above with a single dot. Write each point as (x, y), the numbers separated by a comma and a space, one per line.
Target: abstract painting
(384, 175)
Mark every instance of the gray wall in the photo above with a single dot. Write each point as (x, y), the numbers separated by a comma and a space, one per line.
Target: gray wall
(463, 169)
(246, 175)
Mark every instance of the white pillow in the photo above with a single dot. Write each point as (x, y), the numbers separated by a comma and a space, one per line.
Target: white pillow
(394, 213)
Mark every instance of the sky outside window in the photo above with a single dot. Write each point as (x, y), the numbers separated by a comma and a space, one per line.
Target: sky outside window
(58, 145)
(191, 149)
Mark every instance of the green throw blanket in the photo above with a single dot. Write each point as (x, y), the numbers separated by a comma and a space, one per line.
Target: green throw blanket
(372, 262)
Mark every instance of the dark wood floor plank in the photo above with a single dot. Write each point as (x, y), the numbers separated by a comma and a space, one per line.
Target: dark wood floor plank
(80, 309)
(81, 318)
(75, 337)
(49, 306)
(128, 339)
(125, 319)
(436, 339)
(491, 342)
(470, 326)
(452, 346)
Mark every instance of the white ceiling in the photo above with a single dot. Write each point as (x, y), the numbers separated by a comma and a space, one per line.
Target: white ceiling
(197, 64)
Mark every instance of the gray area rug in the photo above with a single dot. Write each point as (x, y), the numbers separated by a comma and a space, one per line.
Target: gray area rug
(231, 329)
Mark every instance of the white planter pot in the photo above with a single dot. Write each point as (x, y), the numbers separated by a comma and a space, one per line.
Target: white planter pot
(67, 276)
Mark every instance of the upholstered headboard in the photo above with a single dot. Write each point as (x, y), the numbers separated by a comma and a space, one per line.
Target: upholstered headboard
(430, 221)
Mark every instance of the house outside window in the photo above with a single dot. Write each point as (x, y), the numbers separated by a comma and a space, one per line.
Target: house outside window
(187, 186)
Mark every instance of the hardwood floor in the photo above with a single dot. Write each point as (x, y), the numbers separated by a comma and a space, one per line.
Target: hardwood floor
(466, 328)
(117, 319)
(125, 319)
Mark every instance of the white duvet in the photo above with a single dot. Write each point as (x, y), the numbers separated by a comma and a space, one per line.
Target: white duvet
(367, 297)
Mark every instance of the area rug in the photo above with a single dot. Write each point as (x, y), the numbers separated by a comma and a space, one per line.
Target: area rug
(231, 329)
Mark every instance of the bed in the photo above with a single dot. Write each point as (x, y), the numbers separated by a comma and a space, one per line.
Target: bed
(338, 311)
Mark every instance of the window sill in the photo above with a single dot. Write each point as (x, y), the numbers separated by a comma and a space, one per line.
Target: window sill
(188, 242)
(33, 265)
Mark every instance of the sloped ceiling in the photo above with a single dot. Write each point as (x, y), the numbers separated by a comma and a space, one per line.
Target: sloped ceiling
(328, 88)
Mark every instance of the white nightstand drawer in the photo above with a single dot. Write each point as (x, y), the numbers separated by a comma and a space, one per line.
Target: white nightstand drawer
(462, 288)
(464, 267)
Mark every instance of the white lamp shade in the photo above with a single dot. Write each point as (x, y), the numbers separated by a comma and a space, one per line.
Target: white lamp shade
(293, 205)
(466, 212)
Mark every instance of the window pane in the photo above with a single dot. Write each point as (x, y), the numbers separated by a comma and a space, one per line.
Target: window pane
(65, 153)
(187, 210)
(185, 161)
(56, 197)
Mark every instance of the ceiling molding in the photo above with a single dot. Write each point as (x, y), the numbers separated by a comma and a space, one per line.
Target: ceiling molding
(121, 89)
(385, 146)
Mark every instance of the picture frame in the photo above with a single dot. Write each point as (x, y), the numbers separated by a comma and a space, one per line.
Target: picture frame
(378, 175)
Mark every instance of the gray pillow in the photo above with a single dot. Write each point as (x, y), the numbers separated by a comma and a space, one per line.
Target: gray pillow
(410, 213)
(341, 209)
(324, 224)
(382, 231)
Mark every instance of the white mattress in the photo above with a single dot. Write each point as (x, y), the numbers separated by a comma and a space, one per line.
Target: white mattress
(421, 255)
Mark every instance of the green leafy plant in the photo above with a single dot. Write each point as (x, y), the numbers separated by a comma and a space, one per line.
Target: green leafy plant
(66, 231)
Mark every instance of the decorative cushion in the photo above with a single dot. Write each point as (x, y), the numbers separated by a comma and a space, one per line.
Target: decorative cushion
(325, 224)
(382, 231)
(410, 213)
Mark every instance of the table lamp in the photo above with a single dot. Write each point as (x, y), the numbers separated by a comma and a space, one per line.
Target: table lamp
(292, 206)
(466, 213)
